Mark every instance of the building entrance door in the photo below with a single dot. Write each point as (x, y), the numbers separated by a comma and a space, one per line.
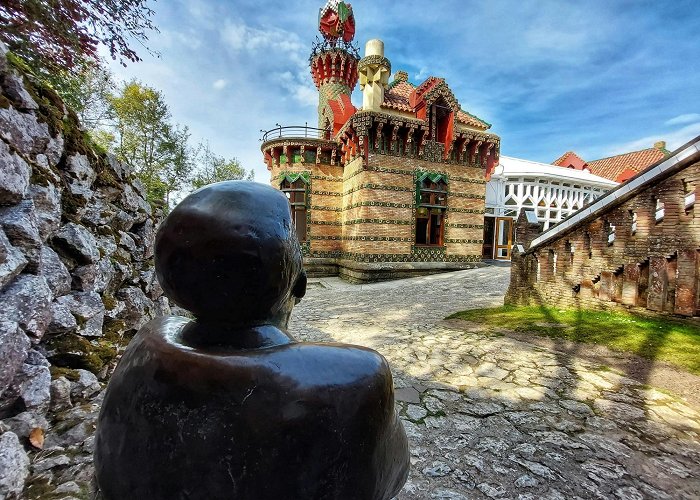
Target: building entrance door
(504, 237)
(489, 240)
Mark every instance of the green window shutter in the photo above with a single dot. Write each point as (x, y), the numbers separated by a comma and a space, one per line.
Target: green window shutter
(295, 176)
(433, 177)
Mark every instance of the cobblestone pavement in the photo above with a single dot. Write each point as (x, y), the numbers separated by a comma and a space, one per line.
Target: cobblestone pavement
(491, 417)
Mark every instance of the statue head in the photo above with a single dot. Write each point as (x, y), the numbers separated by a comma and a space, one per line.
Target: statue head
(228, 253)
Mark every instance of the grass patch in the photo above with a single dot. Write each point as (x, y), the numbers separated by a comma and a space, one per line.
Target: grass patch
(670, 339)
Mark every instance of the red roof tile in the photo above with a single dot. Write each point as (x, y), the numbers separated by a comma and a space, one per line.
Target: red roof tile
(397, 97)
(612, 167)
(562, 159)
(471, 120)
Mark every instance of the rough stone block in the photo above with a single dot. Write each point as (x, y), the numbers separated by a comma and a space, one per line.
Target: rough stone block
(147, 233)
(29, 136)
(79, 176)
(686, 283)
(14, 466)
(86, 385)
(14, 346)
(62, 320)
(33, 384)
(84, 278)
(23, 423)
(12, 261)
(137, 311)
(76, 243)
(13, 87)
(60, 394)
(629, 285)
(606, 291)
(55, 272)
(47, 203)
(14, 176)
(27, 301)
(20, 225)
(88, 309)
(104, 276)
(98, 212)
(135, 204)
(657, 283)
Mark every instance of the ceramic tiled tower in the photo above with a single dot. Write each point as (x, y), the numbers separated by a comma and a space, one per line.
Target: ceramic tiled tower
(334, 59)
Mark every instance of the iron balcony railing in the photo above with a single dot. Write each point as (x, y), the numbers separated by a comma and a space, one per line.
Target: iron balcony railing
(295, 132)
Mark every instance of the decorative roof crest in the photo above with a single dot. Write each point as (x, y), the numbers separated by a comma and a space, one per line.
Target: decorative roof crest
(336, 21)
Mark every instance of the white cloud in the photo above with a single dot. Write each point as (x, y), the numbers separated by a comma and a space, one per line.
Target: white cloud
(682, 119)
(262, 49)
(219, 84)
(674, 140)
(421, 75)
(240, 36)
(300, 87)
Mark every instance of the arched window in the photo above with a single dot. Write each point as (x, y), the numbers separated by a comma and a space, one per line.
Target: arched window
(295, 190)
(431, 197)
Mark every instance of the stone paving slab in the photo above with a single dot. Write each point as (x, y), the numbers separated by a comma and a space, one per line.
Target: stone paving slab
(492, 417)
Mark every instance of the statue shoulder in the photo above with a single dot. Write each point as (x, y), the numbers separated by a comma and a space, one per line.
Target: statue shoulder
(338, 364)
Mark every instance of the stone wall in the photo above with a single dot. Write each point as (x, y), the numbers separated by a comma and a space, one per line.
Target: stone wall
(76, 270)
(642, 251)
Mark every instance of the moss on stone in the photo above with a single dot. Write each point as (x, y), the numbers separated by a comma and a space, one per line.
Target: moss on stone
(109, 301)
(74, 351)
(5, 102)
(121, 257)
(71, 206)
(105, 176)
(69, 373)
(61, 120)
(105, 231)
(18, 62)
(39, 177)
(105, 351)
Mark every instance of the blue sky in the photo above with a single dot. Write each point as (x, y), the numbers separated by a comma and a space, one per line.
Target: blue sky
(600, 77)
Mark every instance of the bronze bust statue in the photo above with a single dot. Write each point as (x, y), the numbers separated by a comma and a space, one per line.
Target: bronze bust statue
(229, 405)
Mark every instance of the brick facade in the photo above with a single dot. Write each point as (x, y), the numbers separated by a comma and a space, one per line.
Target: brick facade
(640, 249)
(362, 215)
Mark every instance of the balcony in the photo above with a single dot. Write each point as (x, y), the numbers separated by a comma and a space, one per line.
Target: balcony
(295, 132)
(298, 144)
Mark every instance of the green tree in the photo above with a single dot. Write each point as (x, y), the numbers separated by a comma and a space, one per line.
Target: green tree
(87, 90)
(145, 138)
(214, 168)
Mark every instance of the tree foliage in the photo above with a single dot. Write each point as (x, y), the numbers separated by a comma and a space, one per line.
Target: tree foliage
(214, 168)
(144, 137)
(56, 35)
(87, 91)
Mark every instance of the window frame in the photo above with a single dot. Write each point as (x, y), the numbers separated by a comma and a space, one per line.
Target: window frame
(430, 184)
(291, 185)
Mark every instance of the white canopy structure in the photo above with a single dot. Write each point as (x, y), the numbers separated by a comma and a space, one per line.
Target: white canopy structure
(551, 191)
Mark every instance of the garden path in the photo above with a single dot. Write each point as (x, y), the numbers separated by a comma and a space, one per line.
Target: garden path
(490, 416)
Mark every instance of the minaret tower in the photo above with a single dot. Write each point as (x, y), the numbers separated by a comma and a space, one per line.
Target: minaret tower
(334, 60)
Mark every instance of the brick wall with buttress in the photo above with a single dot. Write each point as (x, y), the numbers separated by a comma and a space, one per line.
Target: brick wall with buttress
(642, 253)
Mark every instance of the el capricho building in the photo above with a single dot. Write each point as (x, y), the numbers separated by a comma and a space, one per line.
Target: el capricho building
(393, 188)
